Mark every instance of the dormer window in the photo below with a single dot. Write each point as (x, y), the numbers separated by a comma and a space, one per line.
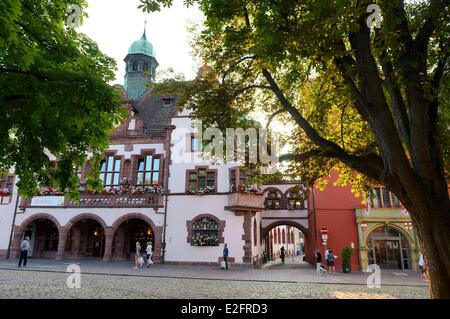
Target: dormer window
(167, 102)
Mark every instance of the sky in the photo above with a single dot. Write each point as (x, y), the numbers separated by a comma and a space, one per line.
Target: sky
(116, 24)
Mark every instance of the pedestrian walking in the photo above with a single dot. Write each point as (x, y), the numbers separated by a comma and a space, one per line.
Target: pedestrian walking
(331, 261)
(423, 268)
(319, 268)
(282, 254)
(137, 256)
(327, 263)
(149, 251)
(225, 255)
(24, 248)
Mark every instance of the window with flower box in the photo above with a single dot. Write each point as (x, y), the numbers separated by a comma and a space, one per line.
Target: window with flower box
(205, 232)
(6, 188)
(148, 171)
(241, 177)
(273, 200)
(201, 180)
(110, 171)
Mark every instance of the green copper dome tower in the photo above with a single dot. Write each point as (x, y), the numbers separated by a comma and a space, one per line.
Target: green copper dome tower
(140, 68)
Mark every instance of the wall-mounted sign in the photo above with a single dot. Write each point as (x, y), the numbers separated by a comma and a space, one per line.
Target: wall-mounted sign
(47, 201)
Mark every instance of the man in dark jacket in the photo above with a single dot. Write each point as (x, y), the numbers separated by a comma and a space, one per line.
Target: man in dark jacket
(318, 261)
(225, 255)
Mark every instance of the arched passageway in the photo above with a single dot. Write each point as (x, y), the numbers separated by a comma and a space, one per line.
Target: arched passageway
(44, 238)
(86, 238)
(293, 239)
(127, 234)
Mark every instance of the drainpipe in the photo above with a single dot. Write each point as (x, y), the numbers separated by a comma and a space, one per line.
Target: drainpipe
(169, 129)
(12, 226)
(164, 229)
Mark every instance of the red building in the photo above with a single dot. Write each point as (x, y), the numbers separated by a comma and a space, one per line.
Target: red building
(334, 208)
(381, 232)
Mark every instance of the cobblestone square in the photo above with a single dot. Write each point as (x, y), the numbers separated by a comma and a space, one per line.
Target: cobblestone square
(48, 279)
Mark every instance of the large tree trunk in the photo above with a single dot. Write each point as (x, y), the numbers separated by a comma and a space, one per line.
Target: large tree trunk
(431, 215)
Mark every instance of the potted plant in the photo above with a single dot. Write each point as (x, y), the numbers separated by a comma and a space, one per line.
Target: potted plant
(346, 254)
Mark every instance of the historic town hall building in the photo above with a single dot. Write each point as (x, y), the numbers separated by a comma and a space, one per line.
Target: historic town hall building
(158, 189)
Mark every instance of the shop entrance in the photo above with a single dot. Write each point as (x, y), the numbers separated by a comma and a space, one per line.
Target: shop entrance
(389, 249)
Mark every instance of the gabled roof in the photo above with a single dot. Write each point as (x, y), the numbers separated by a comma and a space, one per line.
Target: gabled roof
(154, 114)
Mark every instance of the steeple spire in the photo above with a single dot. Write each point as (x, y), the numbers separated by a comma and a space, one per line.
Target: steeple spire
(144, 36)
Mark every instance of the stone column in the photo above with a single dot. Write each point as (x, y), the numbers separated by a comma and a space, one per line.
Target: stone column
(76, 237)
(15, 244)
(247, 235)
(109, 236)
(157, 249)
(61, 243)
(120, 244)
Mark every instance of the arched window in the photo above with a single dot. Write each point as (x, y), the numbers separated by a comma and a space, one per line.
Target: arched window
(278, 236)
(296, 199)
(273, 200)
(283, 235)
(135, 66)
(205, 232)
(145, 67)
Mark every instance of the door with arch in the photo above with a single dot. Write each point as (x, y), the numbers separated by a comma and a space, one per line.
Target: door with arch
(389, 249)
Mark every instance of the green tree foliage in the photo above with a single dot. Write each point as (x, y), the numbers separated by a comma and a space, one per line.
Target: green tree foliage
(54, 94)
(373, 101)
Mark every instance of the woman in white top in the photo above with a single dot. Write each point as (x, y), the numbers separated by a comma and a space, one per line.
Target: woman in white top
(423, 268)
(149, 251)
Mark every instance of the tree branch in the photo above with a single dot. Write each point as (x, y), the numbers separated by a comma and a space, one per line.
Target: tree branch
(372, 170)
(423, 36)
(439, 72)
(252, 57)
(305, 156)
(253, 86)
(398, 104)
(272, 116)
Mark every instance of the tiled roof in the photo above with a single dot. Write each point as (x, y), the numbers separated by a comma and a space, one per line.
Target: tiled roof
(153, 112)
